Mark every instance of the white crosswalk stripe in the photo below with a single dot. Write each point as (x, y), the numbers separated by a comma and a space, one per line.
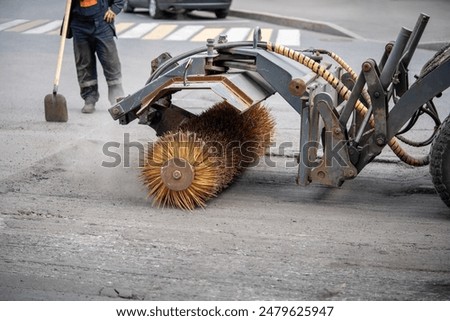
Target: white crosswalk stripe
(12, 23)
(138, 31)
(154, 31)
(237, 34)
(288, 37)
(53, 25)
(184, 33)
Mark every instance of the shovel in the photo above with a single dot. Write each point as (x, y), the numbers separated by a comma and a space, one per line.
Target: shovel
(55, 104)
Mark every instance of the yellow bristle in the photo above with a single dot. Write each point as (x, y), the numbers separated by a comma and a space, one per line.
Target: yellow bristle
(217, 145)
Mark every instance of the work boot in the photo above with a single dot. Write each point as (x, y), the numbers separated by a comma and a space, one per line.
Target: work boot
(115, 92)
(88, 108)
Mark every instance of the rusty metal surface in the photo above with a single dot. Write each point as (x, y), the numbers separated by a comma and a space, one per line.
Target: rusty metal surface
(240, 90)
(177, 174)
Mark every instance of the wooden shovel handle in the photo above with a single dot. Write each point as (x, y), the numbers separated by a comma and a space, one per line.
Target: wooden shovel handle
(61, 46)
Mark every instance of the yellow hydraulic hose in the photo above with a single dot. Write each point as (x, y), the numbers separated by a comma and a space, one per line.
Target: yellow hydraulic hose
(347, 68)
(344, 92)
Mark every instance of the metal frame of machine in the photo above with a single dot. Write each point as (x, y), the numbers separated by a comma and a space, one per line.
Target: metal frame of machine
(352, 116)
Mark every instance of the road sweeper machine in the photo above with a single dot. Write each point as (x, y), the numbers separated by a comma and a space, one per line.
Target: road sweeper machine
(351, 116)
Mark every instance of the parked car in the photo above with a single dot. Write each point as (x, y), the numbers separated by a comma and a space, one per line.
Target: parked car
(158, 9)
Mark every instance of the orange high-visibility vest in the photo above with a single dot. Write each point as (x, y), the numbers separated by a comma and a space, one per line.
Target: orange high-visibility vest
(88, 3)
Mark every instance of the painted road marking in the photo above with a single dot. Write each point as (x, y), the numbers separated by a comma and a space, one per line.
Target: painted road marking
(266, 33)
(208, 33)
(28, 25)
(237, 34)
(11, 24)
(122, 26)
(184, 33)
(288, 37)
(160, 32)
(139, 30)
(157, 31)
(53, 25)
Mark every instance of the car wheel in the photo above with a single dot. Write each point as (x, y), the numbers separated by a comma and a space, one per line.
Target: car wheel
(222, 14)
(154, 11)
(127, 7)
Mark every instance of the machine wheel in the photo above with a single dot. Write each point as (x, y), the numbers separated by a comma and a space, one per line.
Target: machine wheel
(154, 11)
(127, 7)
(441, 56)
(440, 161)
(221, 14)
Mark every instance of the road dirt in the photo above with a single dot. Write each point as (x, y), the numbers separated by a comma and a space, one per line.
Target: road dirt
(72, 229)
(75, 227)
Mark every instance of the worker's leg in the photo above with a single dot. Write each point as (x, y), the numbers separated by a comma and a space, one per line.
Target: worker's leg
(85, 61)
(109, 58)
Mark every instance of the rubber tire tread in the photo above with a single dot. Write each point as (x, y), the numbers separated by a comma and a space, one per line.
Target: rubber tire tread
(127, 7)
(221, 14)
(439, 157)
(159, 14)
(441, 56)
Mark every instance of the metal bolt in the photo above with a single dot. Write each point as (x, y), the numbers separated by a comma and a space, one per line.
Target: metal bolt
(380, 140)
(223, 38)
(367, 67)
(210, 46)
(376, 94)
(321, 174)
(176, 174)
(297, 87)
(337, 131)
(389, 47)
(116, 111)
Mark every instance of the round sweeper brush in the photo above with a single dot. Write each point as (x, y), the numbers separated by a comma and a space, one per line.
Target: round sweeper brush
(179, 171)
(186, 168)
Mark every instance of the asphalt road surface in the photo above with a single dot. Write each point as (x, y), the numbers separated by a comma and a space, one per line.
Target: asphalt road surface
(372, 20)
(72, 228)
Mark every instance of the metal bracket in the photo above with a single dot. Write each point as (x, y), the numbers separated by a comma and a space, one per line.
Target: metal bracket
(309, 142)
(335, 166)
(349, 107)
(421, 91)
(257, 37)
(379, 101)
(186, 69)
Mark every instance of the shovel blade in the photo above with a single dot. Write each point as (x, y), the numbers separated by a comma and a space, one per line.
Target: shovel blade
(55, 108)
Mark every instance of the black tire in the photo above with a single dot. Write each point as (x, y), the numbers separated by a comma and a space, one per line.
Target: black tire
(440, 161)
(154, 11)
(441, 56)
(127, 7)
(222, 14)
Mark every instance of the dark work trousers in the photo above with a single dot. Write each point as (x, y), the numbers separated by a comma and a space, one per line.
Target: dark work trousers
(96, 37)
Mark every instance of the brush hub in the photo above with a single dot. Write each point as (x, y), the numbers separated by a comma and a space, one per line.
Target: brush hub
(177, 174)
